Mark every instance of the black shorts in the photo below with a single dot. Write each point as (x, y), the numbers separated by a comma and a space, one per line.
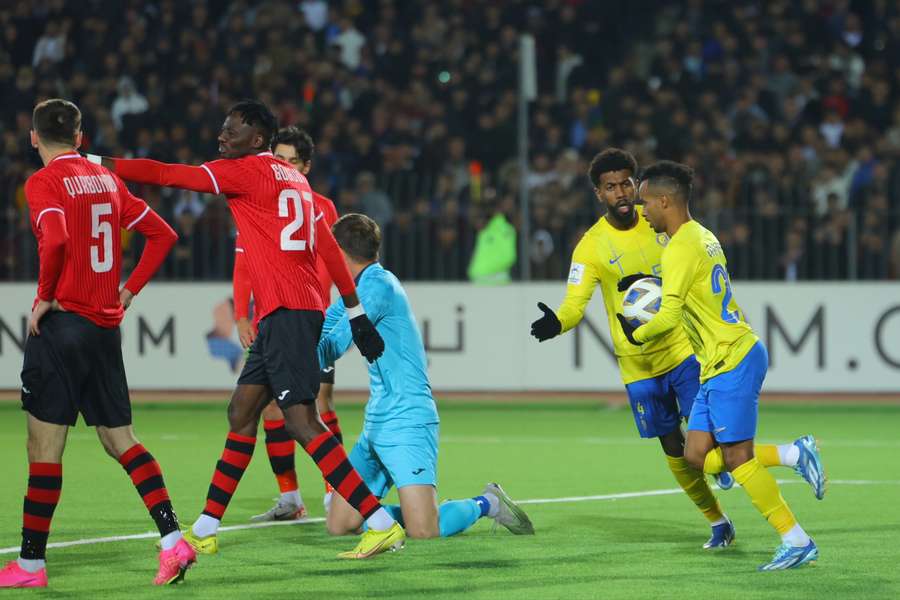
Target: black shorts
(284, 357)
(75, 366)
(326, 375)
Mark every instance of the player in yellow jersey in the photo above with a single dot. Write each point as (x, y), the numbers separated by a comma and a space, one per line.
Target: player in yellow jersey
(661, 377)
(697, 299)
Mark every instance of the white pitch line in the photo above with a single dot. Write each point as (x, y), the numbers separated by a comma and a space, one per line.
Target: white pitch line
(602, 497)
(567, 499)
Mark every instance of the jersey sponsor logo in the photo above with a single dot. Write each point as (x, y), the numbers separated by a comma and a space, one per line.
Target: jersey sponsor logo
(283, 395)
(576, 273)
(89, 184)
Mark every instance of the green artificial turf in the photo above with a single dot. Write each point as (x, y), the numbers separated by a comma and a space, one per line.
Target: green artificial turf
(641, 547)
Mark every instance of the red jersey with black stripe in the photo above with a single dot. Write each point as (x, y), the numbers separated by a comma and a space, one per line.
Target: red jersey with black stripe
(241, 285)
(274, 211)
(281, 234)
(77, 211)
(325, 207)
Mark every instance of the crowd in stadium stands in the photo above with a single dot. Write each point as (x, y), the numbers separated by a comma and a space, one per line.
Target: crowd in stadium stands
(789, 110)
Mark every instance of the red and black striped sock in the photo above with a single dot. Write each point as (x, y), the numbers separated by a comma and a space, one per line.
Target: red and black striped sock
(337, 470)
(235, 458)
(148, 479)
(280, 448)
(44, 487)
(330, 419)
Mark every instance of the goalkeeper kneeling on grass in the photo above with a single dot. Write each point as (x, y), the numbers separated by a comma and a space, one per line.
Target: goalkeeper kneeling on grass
(399, 442)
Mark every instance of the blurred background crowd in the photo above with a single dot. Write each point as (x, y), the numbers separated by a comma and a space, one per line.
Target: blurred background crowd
(789, 110)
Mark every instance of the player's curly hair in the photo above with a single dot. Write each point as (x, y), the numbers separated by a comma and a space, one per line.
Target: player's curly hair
(257, 114)
(299, 139)
(611, 159)
(678, 176)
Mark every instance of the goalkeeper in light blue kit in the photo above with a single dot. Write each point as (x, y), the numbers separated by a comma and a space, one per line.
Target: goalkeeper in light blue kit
(399, 442)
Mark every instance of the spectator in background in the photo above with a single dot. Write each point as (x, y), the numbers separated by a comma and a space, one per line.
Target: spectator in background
(51, 46)
(778, 106)
(373, 202)
(495, 252)
(128, 102)
(351, 42)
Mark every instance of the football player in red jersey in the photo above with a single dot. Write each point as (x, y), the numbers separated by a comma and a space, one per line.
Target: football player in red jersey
(73, 355)
(294, 146)
(281, 235)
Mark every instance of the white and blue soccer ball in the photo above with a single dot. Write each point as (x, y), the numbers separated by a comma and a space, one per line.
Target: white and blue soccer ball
(642, 300)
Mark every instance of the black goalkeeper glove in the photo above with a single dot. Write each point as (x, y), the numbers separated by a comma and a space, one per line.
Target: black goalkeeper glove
(628, 328)
(547, 326)
(366, 337)
(627, 281)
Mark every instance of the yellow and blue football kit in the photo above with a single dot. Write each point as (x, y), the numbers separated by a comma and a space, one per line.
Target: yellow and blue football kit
(661, 377)
(697, 297)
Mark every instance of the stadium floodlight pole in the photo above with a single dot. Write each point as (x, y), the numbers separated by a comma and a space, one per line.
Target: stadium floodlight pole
(852, 258)
(527, 93)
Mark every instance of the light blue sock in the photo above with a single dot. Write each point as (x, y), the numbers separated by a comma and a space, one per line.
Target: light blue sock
(458, 515)
(455, 515)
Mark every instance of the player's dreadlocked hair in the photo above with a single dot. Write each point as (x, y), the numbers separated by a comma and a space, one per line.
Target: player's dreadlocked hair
(611, 159)
(257, 114)
(675, 175)
(57, 121)
(299, 139)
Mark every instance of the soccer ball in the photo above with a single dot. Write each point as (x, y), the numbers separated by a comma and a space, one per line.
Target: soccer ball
(642, 300)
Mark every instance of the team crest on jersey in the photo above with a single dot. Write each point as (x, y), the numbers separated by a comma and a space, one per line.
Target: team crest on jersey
(662, 239)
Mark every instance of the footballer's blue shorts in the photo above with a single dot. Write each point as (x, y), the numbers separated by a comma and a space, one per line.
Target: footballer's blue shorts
(660, 403)
(727, 404)
(401, 456)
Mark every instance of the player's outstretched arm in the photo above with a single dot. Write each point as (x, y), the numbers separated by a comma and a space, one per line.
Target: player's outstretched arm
(583, 279)
(364, 333)
(144, 170)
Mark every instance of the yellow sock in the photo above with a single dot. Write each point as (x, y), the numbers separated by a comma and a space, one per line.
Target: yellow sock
(767, 454)
(765, 495)
(695, 486)
(714, 462)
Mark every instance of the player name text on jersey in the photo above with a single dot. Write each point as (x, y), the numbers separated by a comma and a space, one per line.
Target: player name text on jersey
(89, 184)
(286, 173)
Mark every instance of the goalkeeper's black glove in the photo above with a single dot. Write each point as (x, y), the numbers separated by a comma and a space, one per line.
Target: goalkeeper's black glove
(628, 280)
(547, 326)
(366, 337)
(628, 328)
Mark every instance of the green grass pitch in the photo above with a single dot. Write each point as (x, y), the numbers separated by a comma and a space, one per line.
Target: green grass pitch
(641, 547)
